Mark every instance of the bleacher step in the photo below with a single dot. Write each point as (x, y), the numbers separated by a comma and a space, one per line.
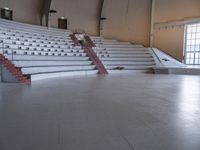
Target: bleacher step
(32, 63)
(36, 77)
(51, 58)
(36, 70)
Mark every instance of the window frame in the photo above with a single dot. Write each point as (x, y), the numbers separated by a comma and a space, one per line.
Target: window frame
(194, 54)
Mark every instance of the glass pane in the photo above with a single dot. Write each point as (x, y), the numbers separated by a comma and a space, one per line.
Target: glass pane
(198, 35)
(189, 36)
(193, 36)
(192, 47)
(192, 44)
(194, 29)
(196, 61)
(189, 29)
(188, 42)
(188, 48)
(187, 61)
(198, 42)
(198, 28)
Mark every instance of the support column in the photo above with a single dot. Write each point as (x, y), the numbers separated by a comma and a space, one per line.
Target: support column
(153, 3)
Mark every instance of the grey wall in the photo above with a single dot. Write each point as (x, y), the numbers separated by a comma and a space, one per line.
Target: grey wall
(27, 11)
(82, 15)
(46, 5)
(127, 20)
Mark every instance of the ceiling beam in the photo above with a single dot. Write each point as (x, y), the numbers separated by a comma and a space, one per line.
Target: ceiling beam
(45, 11)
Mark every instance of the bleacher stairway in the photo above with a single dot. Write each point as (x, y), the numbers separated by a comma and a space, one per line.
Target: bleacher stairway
(42, 53)
(31, 52)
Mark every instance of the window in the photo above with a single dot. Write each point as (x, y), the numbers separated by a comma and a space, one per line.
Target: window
(192, 44)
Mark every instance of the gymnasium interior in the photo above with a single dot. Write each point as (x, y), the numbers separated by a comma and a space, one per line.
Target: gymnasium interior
(99, 74)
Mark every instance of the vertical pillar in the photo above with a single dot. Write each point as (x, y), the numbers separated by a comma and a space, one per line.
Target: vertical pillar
(45, 12)
(153, 3)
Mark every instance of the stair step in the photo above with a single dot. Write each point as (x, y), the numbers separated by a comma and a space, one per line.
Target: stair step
(131, 72)
(130, 67)
(36, 70)
(126, 56)
(51, 63)
(16, 72)
(36, 77)
(51, 58)
(129, 63)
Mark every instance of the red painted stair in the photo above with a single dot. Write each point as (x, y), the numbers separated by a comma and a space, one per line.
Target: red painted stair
(16, 72)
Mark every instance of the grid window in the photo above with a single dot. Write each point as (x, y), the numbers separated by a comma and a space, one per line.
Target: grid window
(192, 44)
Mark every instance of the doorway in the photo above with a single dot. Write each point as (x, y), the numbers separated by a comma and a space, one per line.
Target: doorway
(6, 13)
(62, 23)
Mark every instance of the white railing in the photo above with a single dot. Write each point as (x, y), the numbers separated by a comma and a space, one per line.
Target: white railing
(155, 54)
(3, 51)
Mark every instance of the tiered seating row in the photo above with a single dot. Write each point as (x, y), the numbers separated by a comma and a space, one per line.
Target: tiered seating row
(43, 53)
(19, 34)
(123, 56)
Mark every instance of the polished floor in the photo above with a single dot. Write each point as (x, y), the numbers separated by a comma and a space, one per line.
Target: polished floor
(141, 112)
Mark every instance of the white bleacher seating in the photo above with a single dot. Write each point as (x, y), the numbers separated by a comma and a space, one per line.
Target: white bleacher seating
(43, 52)
(123, 57)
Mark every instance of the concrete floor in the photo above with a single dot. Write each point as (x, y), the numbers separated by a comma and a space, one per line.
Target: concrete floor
(142, 112)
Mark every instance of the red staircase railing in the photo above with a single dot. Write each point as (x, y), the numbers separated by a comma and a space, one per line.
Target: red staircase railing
(87, 46)
(96, 61)
(16, 72)
(89, 41)
(94, 57)
(75, 40)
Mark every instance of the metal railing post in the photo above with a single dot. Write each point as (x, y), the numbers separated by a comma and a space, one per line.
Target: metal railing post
(12, 55)
(3, 47)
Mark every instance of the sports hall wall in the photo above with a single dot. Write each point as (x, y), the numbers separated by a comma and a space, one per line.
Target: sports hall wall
(127, 20)
(171, 40)
(27, 11)
(81, 14)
